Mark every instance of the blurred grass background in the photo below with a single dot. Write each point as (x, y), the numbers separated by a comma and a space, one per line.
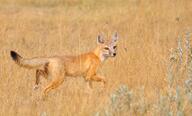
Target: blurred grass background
(147, 30)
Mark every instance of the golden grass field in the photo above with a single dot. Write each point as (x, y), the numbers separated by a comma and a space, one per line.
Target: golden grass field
(148, 29)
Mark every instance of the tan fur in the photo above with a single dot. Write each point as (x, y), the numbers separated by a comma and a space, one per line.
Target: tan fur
(58, 67)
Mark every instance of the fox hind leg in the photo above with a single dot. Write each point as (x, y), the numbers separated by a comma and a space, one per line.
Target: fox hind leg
(54, 84)
(40, 73)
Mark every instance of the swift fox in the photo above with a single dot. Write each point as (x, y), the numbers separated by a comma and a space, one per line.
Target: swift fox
(57, 68)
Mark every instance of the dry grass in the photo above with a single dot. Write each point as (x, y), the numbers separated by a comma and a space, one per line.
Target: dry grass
(147, 29)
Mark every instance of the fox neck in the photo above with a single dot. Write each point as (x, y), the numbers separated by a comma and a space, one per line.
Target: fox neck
(99, 54)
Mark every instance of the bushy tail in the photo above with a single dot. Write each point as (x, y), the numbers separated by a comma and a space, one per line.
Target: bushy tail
(28, 63)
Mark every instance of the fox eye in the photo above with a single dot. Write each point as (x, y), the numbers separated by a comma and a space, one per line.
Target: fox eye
(106, 48)
(114, 47)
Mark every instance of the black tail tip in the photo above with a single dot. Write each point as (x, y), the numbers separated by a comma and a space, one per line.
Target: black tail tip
(14, 55)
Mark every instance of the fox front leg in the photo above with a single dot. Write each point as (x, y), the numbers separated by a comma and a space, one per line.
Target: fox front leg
(99, 79)
(91, 72)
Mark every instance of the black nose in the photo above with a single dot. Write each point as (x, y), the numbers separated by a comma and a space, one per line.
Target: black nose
(114, 54)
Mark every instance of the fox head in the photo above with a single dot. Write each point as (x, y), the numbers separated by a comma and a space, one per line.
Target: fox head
(107, 48)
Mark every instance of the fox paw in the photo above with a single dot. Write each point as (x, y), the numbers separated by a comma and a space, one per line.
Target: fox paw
(35, 87)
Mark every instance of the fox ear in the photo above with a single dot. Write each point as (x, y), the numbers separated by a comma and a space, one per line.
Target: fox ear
(100, 40)
(115, 37)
